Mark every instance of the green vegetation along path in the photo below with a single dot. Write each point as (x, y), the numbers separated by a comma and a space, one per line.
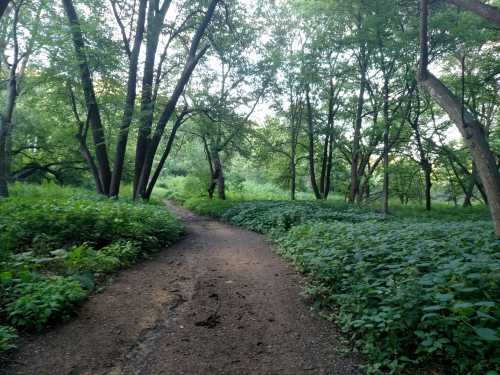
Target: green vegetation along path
(218, 302)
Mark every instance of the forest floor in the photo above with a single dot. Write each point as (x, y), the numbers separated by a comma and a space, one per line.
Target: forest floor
(218, 302)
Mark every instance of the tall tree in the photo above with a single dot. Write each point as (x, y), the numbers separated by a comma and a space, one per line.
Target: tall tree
(471, 129)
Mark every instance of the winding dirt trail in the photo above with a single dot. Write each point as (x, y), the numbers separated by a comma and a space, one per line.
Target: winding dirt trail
(217, 302)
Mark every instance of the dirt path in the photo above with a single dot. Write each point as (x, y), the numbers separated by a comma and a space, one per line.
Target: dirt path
(218, 302)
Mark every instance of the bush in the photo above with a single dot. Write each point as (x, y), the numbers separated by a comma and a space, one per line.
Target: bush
(267, 216)
(44, 225)
(56, 242)
(38, 302)
(412, 289)
(410, 292)
(7, 337)
(209, 207)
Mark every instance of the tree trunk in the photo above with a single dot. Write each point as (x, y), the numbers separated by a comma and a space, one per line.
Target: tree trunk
(469, 127)
(217, 177)
(155, 23)
(178, 122)
(469, 192)
(84, 151)
(386, 146)
(6, 116)
(428, 185)
(293, 177)
(310, 133)
(475, 139)
(327, 161)
(90, 98)
(191, 62)
(128, 110)
(3, 7)
(357, 126)
(324, 166)
(489, 12)
(329, 167)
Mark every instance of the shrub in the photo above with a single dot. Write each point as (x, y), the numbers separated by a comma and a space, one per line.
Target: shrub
(36, 303)
(56, 242)
(267, 216)
(410, 292)
(209, 207)
(7, 337)
(41, 226)
(415, 288)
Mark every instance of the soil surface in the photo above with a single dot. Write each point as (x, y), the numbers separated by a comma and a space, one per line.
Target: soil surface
(217, 302)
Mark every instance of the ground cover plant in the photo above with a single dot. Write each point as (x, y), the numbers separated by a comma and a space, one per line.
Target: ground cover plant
(57, 244)
(408, 289)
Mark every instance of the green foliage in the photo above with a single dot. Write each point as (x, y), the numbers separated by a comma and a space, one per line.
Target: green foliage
(180, 188)
(49, 222)
(205, 206)
(43, 300)
(412, 289)
(7, 337)
(57, 243)
(410, 292)
(266, 216)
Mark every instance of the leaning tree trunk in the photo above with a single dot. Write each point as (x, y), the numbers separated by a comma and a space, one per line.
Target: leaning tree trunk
(471, 130)
(194, 56)
(94, 115)
(156, 18)
(475, 140)
(489, 12)
(128, 110)
(3, 7)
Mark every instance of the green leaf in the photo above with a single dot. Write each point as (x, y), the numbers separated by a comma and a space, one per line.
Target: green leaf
(486, 334)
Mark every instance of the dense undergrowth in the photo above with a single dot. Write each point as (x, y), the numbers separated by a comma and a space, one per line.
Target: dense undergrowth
(57, 244)
(412, 289)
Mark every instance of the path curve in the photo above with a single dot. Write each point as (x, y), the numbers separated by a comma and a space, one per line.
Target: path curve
(217, 302)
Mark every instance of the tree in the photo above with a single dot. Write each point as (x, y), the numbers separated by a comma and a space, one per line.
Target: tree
(108, 181)
(470, 128)
(3, 6)
(17, 66)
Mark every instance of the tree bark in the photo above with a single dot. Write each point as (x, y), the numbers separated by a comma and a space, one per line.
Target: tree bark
(310, 128)
(128, 110)
(385, 111)
(293, 179)
(475, 139)
(428, 185)
(178, 122)
(327, 160)
(6, 116)
(3, 6)
(90, 98)
(216, 174)
(156, 18)
(357, 126)
(469, 127)
(491, 13)
(191, 62)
